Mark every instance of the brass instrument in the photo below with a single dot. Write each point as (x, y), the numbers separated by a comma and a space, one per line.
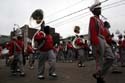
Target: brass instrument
(74, 42)
(36, 20)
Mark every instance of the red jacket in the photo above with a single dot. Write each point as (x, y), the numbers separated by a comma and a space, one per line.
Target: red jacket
(120, 43)
(60, 47)
(29, 49)
(123, 43)
(48, 43)
(69, 46)
(96, 27)
(107, 36)
(11, 47)
(16, 46)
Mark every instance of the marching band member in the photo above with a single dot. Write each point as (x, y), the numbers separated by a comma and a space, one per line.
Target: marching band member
(123, 52)
(44, 45)
(121, 44)
(113, 45)
(101, 50)
(79, 45)
(16, 53)
(30, 52)
(69, 56)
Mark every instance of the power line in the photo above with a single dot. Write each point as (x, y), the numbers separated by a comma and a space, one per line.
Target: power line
(73, 18)
(72, 5)
(71, 14)
(114, 3)
(67, 15)
(88, 13)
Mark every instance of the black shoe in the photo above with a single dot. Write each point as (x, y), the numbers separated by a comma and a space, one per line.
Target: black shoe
(95, 75)
(53, 75)
(122, 65)
(14, 73)
(116, 72)
(100, 80)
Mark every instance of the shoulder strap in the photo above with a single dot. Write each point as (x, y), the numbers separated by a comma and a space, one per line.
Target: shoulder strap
(97, 25)
(17, 45)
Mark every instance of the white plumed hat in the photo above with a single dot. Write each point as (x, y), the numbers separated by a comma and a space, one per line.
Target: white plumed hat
(96, 4)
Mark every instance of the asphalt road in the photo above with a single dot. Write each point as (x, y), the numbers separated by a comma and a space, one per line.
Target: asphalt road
(67, 73)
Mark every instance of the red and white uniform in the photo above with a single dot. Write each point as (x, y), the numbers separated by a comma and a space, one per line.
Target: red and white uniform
(30, 49)
(123, 43)
(48, 43)
(94, 30)
(69, 46)
(11, 47)
(61, 47)
(107, 36)
(16, 45)
(100, 47)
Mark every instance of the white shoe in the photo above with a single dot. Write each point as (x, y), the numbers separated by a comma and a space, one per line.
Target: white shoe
(53, 75)
(40, 77)
(31, 67)
(22, 74)
(79, 65)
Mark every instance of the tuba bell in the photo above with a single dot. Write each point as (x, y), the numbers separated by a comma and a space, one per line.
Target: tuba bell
(36, 21)
(73, 42)
(36, 18)
(78, 40)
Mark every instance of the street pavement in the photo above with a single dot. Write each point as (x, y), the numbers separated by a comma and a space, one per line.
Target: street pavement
(67, 73)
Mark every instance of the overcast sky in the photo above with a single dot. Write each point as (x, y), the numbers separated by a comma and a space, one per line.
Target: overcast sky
(19, 11)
